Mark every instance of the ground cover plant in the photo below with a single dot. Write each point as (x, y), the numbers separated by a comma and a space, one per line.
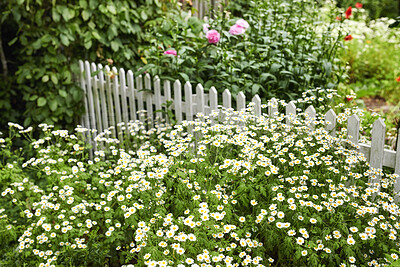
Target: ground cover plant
(238, 190)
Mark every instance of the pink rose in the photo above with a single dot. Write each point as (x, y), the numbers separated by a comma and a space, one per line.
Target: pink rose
(205, 27)
(242, 23)
(170, 52)
(236, 30)
(213, 36)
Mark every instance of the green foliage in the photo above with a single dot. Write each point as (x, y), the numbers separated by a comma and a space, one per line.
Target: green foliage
(280, 54)
(375, 8)
(49, 37)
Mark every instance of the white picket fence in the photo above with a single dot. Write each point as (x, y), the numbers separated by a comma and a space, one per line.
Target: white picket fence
(110, 101)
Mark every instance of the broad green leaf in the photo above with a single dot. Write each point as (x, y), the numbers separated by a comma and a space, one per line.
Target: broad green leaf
(96, 35)
(184, 76)
(88, 44)
(41, 101)
(143, 15)
(111, 8)
(114, 46)
(64, 39)
(54, 78)
(55, 15)
(53, 105)
(86, 14)
(83, 4)
(62, 93)
(45, 78)
(10, 43)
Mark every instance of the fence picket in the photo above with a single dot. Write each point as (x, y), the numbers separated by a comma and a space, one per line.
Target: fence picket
(139, 95)
(377, 148)
(241, 101)
(96, 98)
(167, 94)
(131, 95)
(290, 112)
(149, 99)
(257, 105)
(117, 106)
(227, 99)
(178, 101)
(353, 128)
(104, 116)
(92, 116)
(213, 99)
(124, 102)
(272, 107)
(86, 121)
(188, 101)
(157, 98)
(397, 171)
(110, 103)
(200, 99)
(312, 114)
(330, 122)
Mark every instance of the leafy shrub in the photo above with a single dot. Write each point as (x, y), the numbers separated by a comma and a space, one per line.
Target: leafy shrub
(375, 8)
(280, 53)
(47, 39)
(266, 193)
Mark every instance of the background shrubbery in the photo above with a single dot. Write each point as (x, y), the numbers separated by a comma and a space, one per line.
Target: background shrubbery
(279, 55)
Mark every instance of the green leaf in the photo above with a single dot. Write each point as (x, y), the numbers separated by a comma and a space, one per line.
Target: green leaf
(55, 15)
(45, 78)
(88, 44)
(96, 35)
(184, 76)
(64, 39)
(143, 15)
(115, 46)
(53, 105)
(54, 78)
(83, 4)
(111, 8)
(86, 14)
(33, 97)
(41, 101)
(10, 43)
(62, 93)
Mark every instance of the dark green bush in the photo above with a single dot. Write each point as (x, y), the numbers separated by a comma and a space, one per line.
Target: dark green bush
(44, 39)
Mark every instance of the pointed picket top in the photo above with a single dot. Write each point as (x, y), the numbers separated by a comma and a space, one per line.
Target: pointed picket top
(330, 122)
(147, 81)
(353, 129)
(240, 101)
(397, 171)
(312, 114)
(290, 112)
(226, 99)
(131, 94)
(178, 101)
(188, 101)
(377, 147)
(139, 95)
(92, 116)
(257, 105)
(104, 114)
(157, 97)
(272, 107)
(110, 103)
(117, 105)
(200, 99)
(213, 94)
(168, 98)
(124, 101)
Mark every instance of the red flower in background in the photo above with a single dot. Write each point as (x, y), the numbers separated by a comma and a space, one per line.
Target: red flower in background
(348, 38)
(398, 79)
(359, 5)
(348, 12)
